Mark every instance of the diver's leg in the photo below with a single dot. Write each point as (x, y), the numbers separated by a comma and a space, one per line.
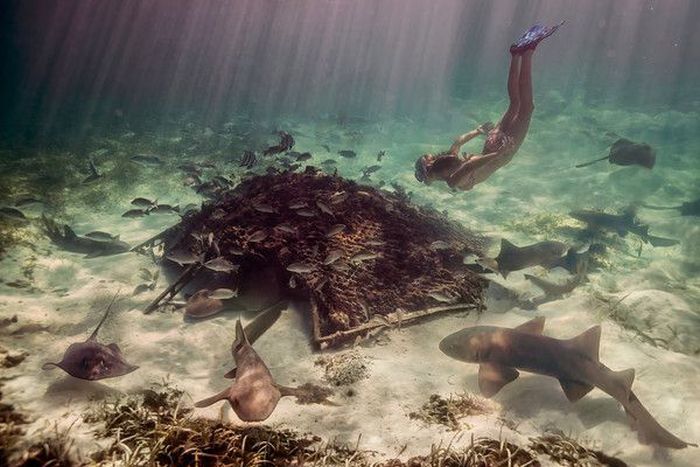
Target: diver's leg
(521, 122)
(513, 92)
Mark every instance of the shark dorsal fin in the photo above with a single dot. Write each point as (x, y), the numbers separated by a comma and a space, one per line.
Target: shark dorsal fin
(493, 377)
(68, 232)
(231, 374)
(534, 326)
(587, 343)
(241, 338)
(575, 390)
(109, 307)
(507, 246)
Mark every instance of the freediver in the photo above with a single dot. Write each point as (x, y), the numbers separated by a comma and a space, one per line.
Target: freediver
(503, 140)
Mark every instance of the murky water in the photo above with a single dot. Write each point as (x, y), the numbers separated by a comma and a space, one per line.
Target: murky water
(104, 104)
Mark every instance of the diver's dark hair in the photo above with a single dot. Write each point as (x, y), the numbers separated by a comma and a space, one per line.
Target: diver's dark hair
(421, 172)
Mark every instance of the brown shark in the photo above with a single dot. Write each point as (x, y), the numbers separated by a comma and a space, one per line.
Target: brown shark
(254, 394)
(574, 362)
(514, 258)
(91, 360)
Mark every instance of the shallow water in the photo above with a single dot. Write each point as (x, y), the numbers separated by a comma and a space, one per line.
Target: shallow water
(646, 299)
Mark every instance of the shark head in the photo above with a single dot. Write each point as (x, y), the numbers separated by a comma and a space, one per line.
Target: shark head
(469, 344)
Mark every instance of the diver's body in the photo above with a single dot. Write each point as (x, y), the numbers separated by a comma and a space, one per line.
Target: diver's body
(503, 140)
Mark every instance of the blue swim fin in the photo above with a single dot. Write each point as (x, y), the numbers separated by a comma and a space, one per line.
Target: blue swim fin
(532, 37)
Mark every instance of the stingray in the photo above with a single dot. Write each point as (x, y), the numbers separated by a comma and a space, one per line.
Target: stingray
(626, 152)
(91, 360)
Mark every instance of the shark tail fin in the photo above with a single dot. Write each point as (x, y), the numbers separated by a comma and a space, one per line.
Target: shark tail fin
(588, 343)
(213, 399)
(661, 241)
(625, 378)
(488, 263)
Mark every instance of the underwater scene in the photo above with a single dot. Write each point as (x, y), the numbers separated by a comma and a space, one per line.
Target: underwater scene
(359, 233)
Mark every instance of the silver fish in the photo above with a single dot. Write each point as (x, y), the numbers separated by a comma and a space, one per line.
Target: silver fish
(306, 212)
(183, 257)
(440, 245)
(223, 294)
(142, 202)
(333, 256)
(257, 236)
(324, 207)
(443, 297)
(300, 268)
(221, 264)
(375, 243)
(341, 266)
(298, 204)
(339, 197)
(335, 230)
(286, 228)
(363, 256)
(12, 213)
(265, 208)
(236, 251)
(132, 213)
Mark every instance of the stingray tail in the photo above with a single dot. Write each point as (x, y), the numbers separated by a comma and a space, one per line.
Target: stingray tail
(50, 366)
(586, 164)
(99, 325)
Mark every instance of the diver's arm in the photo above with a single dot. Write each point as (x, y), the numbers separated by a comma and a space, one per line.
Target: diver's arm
(470, 167)
(459, 142)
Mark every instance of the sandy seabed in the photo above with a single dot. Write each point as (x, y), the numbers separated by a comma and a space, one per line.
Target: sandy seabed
(649, 306)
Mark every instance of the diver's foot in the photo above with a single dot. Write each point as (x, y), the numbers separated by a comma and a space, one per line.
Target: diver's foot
(532, 37)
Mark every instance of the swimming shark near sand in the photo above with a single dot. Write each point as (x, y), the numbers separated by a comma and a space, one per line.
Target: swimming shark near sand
(514, 258)
(254, 394)
(67, 239)
(91, 360)
(500, 352)
(622, 224)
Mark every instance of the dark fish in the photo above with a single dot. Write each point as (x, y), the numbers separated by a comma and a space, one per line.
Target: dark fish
(102, 236)
(13, 214)
(326, 147)
(514, 258)
(91, 360)
(286, 144)
(367, 171)
(27, 200)
(621, 224)
(147, 159)
(329, 162)
(380, 155)
(67, 239)
(142, 203)
(190, 168)
(347, 153)
(132, 213)
(626, 152)
(248, 159)
(305, 156)
(94, 174)
(164, 209)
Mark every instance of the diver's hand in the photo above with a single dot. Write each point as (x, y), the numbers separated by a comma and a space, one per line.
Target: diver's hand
(485, 128)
